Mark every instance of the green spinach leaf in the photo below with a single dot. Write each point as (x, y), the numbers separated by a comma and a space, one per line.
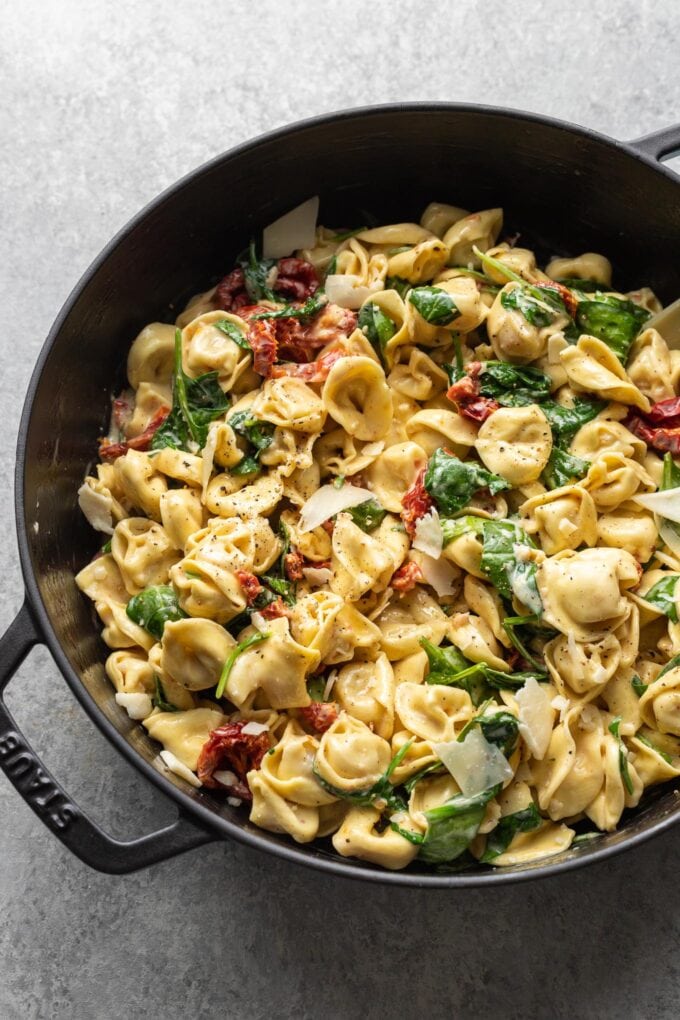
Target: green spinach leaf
(662, 596)
(256, 272)
(452, 826)
(452, 483)
(159, 699)
(562, 468)
(670, 478)
(614, 321)
(566, 421)
(254, 639)
(513, 386)
(154, 607)
(401, 286)
(500, 838)
(382, 789)
(308, 310)
(533, 310)
(510, 574)
(234, 333)
(368, 515)
(195, 404)
(638, 686)
(259, 435)
(434, 304)
(623, 753)
(377, 327)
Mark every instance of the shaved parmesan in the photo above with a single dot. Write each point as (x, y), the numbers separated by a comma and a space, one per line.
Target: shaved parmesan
(535, 717)
(97, 508)
(346, 290)
(137, 705)
(666, 503)
(440, 574)
(225, 777)
(295, 229)
(669, 535)
(208, 458)
(328, 501)
(317, 575)
(332, 677)
(254, 729)
(258, 621)
(475, 764)
(429, 537)
(373, 449)
(234, 801)
(179, 768)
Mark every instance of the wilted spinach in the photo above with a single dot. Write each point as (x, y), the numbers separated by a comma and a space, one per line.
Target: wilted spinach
(614, 321)
(452, 483)
(500, 838)
(377, 327)
(195, 404)
(367, 515)
(434, 304)
(154, 607)
(562, 468)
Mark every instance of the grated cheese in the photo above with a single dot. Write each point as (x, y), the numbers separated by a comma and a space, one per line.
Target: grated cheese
(440, 574)
(328, 501)
(429, 537)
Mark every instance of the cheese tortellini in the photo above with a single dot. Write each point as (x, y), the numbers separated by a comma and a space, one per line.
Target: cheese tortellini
(384, 552)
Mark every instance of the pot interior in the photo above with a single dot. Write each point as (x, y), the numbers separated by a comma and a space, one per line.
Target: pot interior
(564, 190)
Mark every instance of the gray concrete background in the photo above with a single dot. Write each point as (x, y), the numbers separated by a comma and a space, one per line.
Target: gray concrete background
(103, 104)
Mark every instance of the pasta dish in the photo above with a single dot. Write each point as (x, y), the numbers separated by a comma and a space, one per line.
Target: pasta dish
(392, 541)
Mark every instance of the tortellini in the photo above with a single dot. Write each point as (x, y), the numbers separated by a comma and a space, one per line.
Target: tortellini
(391, 556)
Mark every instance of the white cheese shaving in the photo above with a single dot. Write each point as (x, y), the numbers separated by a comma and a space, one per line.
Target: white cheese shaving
(332, 677)
(666, 503)
(328, 501)
(254, 729)
(440, 574)
(137, 705)
(192, 446)
(522, 552)
(429, 537)
(258, 621)
(475, 764)
(317, 575)
(599, 675)
(347, 291)
(225, 777)
(295, 229)
(179, 768)
(535, 717)
(527, 595)
(97, 508)
(208, 458)
(560, 703)
(669, 535)
(234, 801)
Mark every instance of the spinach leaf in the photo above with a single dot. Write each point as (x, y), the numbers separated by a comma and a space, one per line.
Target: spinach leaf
(346, 234)
(662, 596)
(562, 468)
(195, 404)
(623, 753)
(159, 700)
(259, 435)
(106, 548)
(512, 386)
(510, 625)
(533, 310)
(286, 589)
(330, 270)
(585, 286)
(447, 659)
(435, 766)
(566, 421)
(647, 742)
(254, 639)
(434, 304)
(670, 478)
(452, 529)
(255, 273)
(500, 838)
(671, 664)
(638, 686)
(311, 307)
(510, 574)
(377, 327)
(452, 826)
(542, 295)
(154, 607)
(368, 515)
(234, 333)
(316, 687)
(382, 789)
(471, 679)
(500, 728)
(401, 286)
(452, 483)
(615, 321)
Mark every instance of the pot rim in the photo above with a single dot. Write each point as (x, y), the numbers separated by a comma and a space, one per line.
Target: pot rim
(345, 867)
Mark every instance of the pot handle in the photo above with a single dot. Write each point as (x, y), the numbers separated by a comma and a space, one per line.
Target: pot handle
(659, 145)
(52, 804)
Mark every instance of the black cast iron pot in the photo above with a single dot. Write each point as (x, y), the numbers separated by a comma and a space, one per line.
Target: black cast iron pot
(567, 189)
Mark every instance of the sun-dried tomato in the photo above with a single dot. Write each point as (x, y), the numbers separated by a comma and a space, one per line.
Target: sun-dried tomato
(568, 297)
(328, 526)
(660, 427)
(293, 562)
(231, 293)
(229, 748)
(296, 279)
(313, 372)
(406, 577)
(110, 451)
(275, 609)
(262, 339)
(415, 503)
(465, 394)
(123, 408)
(250, 584)
(319, 716)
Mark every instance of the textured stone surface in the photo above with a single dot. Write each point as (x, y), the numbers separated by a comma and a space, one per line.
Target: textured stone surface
(103, 105)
